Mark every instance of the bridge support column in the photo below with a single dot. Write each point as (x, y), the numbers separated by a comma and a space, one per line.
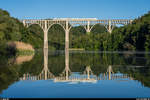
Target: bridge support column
(88, 72)
(109, 27)
(88, 27)
(110, 71)
(45, 63)
(67, 63)
(45, 35)
(24, 23)
(45, 39)
(45, 51)
(67, 50)
(67, 36)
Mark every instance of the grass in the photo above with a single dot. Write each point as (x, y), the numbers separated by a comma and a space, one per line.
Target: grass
(76, 49)
(24, 52)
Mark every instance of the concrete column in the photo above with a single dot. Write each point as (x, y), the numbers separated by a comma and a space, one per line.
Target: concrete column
(24, 23)
(109, 26)
(88, 72)
(67, 36)
(45, 35)
(45, 39)
(45, 63)
(24, 77)
(131, 21)
(109, 71)
(88, 27)
(67, 63)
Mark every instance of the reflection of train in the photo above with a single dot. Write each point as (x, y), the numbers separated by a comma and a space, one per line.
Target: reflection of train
(76, 80)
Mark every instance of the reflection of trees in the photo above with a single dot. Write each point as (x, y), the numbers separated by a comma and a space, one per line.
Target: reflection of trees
(141, 74)
(34, 66)
(78, 61)
(127, 64)
(20, 59)
(139, 68)
(8, 75)
(99, 62)
(56, 63)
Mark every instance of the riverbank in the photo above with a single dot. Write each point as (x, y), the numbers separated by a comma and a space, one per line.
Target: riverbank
(21, 48)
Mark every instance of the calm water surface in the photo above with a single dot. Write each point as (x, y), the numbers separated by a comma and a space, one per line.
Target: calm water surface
(76, 75)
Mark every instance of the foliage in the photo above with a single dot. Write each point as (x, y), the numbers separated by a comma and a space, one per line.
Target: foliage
(134, 36)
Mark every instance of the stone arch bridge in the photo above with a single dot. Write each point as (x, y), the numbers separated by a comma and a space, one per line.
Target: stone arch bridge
(68, 23)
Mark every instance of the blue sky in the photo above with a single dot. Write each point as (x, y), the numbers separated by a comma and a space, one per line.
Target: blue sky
(101, 9)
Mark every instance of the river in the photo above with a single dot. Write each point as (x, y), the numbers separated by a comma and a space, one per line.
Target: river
(76, 74)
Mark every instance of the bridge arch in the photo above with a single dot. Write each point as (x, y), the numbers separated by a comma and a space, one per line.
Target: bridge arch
(79, 26)
(37, 25)
(57, 31)
(74, 33)
(76, 25)
(56, 24)
(98, 25)
(28, 25)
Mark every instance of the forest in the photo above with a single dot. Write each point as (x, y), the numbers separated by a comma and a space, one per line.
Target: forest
(131, 37)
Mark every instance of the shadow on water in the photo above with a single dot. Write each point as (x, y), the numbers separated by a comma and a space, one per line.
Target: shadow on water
(89, 65)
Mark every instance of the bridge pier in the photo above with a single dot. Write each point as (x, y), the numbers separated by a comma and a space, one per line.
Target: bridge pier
(88, 72)
(88, 27)
(45, 39)
(67, 63)
(109, 30)
(67, 40)
(45, 63)
(110, 71)
(67, 36)
(109, 27)
(45, 35)
(67, 49)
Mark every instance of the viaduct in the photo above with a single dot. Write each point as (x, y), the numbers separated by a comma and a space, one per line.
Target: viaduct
(68, 23)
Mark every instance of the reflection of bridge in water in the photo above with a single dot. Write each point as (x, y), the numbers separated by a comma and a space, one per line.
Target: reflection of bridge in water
(68, 76)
